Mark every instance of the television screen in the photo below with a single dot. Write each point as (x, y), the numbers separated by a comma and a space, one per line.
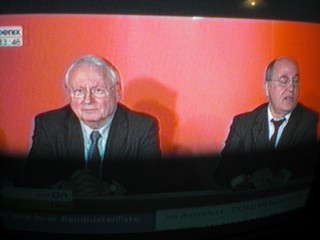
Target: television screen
(193, 68)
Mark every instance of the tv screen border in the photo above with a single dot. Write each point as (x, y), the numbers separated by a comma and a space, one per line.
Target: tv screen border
(293, 10)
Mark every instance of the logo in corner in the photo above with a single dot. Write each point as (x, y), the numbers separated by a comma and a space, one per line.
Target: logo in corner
(11, 36)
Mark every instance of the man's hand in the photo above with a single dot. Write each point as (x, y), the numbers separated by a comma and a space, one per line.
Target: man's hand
(85, 184)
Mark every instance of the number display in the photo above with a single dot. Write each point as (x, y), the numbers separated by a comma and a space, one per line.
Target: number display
(11, 36)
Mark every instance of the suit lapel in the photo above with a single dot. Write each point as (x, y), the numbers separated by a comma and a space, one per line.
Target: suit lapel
(117, 135)
(260, 130)
(290, 129)
(75, 142)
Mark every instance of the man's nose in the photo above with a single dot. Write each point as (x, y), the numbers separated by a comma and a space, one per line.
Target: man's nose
(290, 85)
(88, 96)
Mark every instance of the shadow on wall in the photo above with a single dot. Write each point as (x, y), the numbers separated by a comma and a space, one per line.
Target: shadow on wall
(152, 97)
(3, 140)
(182, 172)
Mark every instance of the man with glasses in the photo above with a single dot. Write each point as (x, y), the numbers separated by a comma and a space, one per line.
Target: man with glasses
(95, 145)
(276, 141)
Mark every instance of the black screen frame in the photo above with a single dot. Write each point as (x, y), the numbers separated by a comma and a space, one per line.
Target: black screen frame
(293, 10)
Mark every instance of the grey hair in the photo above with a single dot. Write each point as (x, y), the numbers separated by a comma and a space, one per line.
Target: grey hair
(269, 70)
(109, 69)
(270, 67)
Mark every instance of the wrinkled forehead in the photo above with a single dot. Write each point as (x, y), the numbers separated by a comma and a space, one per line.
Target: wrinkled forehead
(286, 67)
(87, 72)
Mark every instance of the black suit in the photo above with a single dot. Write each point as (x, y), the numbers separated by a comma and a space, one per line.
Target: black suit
(245, 150)
(132, 158)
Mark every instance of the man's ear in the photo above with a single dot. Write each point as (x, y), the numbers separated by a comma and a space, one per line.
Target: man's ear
(266, 88)
(118, 92)
(67, 93)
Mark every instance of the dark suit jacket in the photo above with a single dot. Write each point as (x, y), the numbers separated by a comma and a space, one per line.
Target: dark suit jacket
(245, 150)
(132, 158)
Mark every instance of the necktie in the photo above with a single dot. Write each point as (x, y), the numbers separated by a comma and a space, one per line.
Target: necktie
(94, 155)
(277, 124)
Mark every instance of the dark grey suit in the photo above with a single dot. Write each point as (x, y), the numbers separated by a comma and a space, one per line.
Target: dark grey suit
(246, 146)
(132, 158)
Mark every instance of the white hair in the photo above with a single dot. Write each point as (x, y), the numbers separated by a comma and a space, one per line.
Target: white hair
(109, 69)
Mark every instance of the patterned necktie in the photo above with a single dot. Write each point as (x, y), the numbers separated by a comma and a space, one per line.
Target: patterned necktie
(94, 155)
(277, 124)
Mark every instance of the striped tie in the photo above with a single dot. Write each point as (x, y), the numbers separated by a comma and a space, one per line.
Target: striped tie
(277, 124)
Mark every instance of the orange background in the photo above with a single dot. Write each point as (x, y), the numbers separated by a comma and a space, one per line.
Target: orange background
(193, 74)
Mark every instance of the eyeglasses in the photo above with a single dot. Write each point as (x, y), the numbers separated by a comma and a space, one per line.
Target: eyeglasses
(96, 92)
(284, 81)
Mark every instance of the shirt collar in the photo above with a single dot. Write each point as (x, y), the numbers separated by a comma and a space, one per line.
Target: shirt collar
(270, 116)
(104, 130)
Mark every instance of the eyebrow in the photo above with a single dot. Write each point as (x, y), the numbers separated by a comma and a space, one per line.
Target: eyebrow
(286, 75)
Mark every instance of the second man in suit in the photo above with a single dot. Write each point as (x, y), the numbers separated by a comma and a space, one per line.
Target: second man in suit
(276, 141)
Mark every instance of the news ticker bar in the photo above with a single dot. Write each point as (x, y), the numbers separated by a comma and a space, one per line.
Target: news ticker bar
(36, 199)
(234, 212)
(158, 220)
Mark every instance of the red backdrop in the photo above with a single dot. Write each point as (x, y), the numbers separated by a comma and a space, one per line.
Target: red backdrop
(193, 74)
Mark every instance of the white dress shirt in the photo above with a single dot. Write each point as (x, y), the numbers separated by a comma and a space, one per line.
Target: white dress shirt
(271, 125)
(102, 142)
